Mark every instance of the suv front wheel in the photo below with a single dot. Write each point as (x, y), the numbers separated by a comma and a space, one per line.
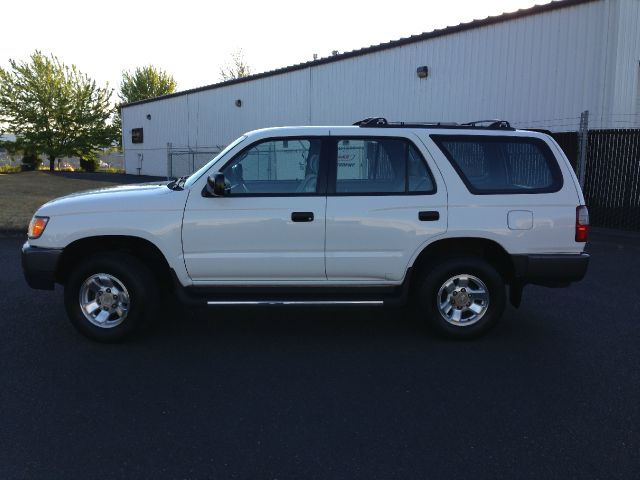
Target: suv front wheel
(110, 296)
(462, 297)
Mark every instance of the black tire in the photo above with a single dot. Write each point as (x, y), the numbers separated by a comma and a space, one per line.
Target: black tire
(435, 278)
(141, 286)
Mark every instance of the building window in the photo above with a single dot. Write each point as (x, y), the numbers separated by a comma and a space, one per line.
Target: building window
(137, 135)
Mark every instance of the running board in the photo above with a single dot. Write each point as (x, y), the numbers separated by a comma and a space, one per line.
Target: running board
(295, 302)
(292, 296)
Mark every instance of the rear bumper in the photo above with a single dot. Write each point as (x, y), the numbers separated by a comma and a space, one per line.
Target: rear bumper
(550, 270)
(39, 266)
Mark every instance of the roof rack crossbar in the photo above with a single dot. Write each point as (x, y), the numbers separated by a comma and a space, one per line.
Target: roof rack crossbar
(381, 122)
(492, 123)
(372, 122)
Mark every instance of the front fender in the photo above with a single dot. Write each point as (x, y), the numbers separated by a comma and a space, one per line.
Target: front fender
(157, 220)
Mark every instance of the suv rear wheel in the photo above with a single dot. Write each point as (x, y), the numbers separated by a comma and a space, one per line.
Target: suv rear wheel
(110, 296)
(462, 297)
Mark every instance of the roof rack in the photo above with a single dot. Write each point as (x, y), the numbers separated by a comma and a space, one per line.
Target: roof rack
(495, 123)
(381, 122)
(539, 130)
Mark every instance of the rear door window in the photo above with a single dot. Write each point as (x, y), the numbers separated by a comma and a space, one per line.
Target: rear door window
(495, 165)
(380, 166)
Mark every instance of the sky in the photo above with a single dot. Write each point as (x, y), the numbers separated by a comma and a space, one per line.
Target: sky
(192, 40)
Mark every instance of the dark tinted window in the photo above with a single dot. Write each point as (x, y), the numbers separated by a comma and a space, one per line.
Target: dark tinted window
(502, 164)
(137, 135)
(381, 166)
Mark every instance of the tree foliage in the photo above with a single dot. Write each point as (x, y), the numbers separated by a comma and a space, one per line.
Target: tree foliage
(30, 161)
(145, 82)
(55, 109)
(90, 162)
(13, 147)
(237, 68)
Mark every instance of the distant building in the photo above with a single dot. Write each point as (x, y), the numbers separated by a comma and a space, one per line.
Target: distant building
(537, 68)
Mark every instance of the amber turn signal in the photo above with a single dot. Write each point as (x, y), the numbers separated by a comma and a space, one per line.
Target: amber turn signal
(36, 226)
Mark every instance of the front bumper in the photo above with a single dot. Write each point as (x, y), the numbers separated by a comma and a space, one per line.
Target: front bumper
(39, 266)
(550, 270)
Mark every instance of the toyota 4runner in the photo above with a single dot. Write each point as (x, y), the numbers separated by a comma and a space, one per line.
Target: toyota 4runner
(453, 217)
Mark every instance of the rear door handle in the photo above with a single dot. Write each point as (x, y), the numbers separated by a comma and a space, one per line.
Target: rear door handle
(302, 217)
(429, 216)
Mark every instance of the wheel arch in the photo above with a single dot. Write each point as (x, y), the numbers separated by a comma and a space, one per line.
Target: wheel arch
(141, 248)
(484, 248)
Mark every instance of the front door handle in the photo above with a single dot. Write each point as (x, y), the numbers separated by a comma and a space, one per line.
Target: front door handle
(302, 217)
(430, 216)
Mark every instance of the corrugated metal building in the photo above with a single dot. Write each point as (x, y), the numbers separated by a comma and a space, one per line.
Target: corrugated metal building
(537, 68)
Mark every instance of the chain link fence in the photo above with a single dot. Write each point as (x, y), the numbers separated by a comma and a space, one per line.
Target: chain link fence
(185, 161)
(612, 182)
(612, 175)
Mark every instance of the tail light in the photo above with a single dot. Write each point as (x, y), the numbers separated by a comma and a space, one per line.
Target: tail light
(582, 223)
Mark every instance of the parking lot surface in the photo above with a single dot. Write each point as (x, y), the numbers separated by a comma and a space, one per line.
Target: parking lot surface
(552, 392)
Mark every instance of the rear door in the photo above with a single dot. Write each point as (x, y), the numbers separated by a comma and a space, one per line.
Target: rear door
(385, 200)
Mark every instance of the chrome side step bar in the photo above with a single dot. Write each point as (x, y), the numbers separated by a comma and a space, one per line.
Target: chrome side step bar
(295, 302)
(197, 296)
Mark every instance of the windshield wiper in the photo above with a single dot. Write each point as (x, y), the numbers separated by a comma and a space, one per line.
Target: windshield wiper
(178, 184)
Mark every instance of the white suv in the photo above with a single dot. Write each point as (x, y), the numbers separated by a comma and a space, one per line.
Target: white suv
(378, 213)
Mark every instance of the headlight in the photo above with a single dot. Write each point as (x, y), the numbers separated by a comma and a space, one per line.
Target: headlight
(37, 226)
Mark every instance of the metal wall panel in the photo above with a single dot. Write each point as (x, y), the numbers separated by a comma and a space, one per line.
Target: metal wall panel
(625, 97)
(272, 101)
(537, 71)
(169, 122)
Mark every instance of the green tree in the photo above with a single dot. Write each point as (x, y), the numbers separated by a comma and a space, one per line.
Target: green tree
(143, 83)
(55, 109)
(30, 160)
(89, 162)
(12, 148)
(237, 68)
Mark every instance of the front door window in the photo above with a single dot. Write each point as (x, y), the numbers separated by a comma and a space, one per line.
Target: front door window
(272, 167)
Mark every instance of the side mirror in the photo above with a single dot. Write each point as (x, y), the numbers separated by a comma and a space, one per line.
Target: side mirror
(216, 185)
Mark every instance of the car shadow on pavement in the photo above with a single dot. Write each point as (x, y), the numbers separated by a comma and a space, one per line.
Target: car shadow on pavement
(295, 325)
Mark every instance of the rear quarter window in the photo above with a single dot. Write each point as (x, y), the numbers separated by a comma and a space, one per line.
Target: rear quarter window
(502, 165)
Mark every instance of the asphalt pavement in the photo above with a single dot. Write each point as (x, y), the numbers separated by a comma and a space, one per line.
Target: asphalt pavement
(304, 393)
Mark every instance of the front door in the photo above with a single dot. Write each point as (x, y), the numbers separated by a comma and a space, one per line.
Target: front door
(270, 226)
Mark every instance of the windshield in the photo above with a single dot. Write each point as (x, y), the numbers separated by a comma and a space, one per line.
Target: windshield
(198, 173)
